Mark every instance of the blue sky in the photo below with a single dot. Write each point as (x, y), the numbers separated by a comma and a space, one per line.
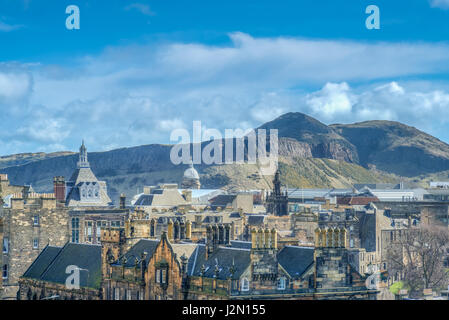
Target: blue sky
(136, 70)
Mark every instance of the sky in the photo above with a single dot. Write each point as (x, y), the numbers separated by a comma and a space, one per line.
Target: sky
(137, 70)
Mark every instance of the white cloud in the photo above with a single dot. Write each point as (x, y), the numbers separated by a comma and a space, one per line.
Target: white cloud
(14, 85)
(135, 95)
(330, 101)
(442, 4)
(4, 27)
(426, 110)
(142, 8)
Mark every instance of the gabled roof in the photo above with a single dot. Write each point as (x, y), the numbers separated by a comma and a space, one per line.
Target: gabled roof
(295, 260)
(241, 244)
(222, 200)
(144, 245)
(51, 264)
(41, 262)
(224, 258)
(256, 220)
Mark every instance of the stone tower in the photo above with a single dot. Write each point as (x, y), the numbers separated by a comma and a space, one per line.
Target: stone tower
(264, 264)
(277, 202)
(332, 269)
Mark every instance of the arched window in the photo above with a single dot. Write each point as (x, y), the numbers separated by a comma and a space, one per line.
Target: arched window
(245, 284)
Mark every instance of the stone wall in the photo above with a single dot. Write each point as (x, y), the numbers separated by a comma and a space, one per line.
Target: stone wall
(21, 231)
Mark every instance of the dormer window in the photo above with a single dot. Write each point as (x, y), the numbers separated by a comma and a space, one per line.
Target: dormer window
(245, 284)
(281, 283)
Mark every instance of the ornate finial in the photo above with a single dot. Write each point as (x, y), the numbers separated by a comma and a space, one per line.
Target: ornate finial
(216, 271)
(232, 269)
(202, 270)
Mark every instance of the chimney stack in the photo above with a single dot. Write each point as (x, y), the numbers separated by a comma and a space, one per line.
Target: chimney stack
(59, 189)
(122, 201)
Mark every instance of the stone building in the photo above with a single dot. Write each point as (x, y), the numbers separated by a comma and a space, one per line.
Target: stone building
(158, 269)
(70, 272)
(86, 223)
(83, 188)
(277, 201)
(30, 223)
(181, 226)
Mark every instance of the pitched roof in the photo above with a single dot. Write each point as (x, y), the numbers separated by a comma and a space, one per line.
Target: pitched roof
(144, 245)
(295, 260)
(51, 264)
(222, 200)
(224, 258)
(41, 262)
(256, 220)
(241, 244)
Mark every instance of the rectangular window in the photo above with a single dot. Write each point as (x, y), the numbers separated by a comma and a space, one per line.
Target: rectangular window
(36, 220)
(5, 245)
(117, 293)
(98, 231)
(75, 236)
(164, 275)
(281, 283)
(115, 223)
(128, 294)
(5, 272)
(75, 230)
(36, 243)
(88, 231)
(158, 276)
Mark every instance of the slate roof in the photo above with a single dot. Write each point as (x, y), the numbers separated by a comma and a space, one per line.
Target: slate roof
(160, 197)
(222, 200)
(295, 260)
(224, 258)
(256, 220)
(144, 245)
(51, 264)
(189, 250)
(241, 244)
(42, 261)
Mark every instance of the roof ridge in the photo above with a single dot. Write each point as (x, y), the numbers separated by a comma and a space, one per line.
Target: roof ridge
(53, 261)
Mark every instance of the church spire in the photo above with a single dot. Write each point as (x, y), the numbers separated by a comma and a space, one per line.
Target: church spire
(83, 163)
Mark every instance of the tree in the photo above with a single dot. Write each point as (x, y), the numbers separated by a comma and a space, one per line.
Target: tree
(419, 255)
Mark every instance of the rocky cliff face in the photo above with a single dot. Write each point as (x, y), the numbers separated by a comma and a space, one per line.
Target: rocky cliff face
(322, 141)
(396, 148)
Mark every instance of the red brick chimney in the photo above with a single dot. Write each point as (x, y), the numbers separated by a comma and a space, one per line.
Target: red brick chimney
(59, 188)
